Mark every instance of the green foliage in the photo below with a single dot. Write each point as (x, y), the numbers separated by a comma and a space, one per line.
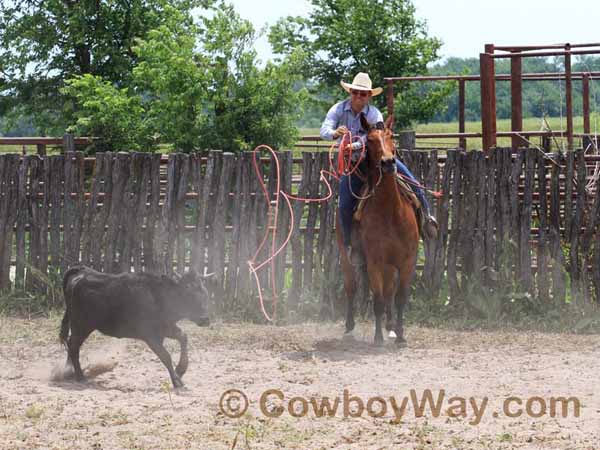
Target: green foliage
(420, 102)
(42, 44)
(248, 105)
(343, 37)
(172, 79)
(110, 113)
(195, 86)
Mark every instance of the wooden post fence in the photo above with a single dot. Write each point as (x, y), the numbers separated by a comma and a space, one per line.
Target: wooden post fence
(527, 219)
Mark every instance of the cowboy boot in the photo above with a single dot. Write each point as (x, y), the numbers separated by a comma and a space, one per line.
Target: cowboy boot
(430, 225)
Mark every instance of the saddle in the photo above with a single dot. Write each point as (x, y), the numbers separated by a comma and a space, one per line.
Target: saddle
(406, 192)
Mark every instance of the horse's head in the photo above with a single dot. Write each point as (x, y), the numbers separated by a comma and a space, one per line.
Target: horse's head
(380, 144)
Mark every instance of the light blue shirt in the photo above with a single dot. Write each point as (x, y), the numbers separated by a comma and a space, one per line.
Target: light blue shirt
(341, 114)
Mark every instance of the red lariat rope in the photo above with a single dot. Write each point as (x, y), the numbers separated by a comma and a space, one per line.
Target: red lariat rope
(345, 166)
(271, 228)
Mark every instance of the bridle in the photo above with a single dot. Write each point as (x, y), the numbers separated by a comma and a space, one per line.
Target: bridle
(384, 166)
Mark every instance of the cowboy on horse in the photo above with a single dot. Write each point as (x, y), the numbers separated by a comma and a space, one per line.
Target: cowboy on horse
(345, 117)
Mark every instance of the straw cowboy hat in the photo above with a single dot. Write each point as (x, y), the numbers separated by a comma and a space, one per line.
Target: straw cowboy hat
(361, 82)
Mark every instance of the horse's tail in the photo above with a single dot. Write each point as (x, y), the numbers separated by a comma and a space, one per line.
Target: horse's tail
(66, 321)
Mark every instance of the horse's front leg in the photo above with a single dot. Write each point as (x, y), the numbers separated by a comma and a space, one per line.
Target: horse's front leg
(376, 282)
(389, 320)
(401, 300)
(379, 307)
(389, 290)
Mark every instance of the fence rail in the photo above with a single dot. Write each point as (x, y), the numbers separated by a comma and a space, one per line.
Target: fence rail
(525, 219)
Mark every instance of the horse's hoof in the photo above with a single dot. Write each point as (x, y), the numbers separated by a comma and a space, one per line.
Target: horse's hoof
(379, 343)
(348, 336)
(392, 334)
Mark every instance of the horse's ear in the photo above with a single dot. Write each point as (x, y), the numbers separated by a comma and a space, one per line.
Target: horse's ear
(363, 122)
(389, 122)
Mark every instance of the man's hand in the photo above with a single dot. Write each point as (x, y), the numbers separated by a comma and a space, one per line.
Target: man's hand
(340, 131)
(356, 154)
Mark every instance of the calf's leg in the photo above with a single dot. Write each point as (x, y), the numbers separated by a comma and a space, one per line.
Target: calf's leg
(176, 333)
(74, 343)
(157, 347)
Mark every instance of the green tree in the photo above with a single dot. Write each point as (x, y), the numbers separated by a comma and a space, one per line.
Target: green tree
(110, 113)
(172, 78)
(196, 86)
(343, 37)
(44, 43)
(248, 105)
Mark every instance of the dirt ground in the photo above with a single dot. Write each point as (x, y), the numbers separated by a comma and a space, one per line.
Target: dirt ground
(134, 407)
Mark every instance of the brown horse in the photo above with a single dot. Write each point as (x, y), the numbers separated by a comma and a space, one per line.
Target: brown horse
(387, 237)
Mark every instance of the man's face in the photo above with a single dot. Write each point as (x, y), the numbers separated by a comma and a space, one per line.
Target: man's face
(359, 99)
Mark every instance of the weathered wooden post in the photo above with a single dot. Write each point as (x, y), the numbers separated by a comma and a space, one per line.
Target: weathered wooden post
(587, 140)
(569, 97)
(68, 143)
(488, 98)
(462, 141)
(407, 140)
(390, 97)
(547, 143)
(516, 97)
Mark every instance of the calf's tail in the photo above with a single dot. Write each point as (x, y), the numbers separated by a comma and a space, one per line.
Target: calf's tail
(65, 324)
